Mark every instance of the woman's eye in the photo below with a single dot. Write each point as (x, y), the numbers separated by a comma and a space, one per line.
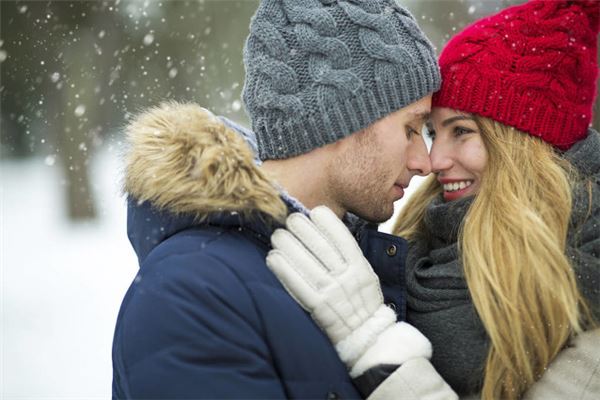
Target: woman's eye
(430, 133)
(459, 130)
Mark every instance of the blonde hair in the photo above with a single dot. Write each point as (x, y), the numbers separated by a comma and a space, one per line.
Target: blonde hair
(512, 246)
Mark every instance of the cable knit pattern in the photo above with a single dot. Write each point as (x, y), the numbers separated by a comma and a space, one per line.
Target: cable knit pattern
(531, 66)
(284, 82)
(319, 70)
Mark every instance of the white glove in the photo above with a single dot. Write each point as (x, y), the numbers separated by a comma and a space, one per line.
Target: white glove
(323, 269)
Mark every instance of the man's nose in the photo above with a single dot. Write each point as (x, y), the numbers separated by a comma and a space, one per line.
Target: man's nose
(418, 160)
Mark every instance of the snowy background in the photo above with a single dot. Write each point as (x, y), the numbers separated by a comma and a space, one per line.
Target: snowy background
(62, 282)
(71, 75)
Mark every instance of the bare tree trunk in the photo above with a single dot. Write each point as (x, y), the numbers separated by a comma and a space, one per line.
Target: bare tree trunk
(75, 134)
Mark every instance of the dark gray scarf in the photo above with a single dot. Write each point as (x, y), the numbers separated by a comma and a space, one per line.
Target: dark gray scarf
(439, 304)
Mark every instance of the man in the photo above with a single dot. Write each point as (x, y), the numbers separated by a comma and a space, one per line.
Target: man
(337, 92)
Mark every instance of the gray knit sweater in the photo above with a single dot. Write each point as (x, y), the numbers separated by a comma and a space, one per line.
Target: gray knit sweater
(438, 300)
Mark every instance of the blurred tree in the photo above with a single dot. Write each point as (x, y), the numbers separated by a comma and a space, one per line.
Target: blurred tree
(18, 80)
(76, 133)
(77, 111)
(54, 58)
(192, 51)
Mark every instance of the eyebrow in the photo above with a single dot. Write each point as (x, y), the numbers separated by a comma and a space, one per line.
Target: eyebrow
(421, 115)
(450, 120)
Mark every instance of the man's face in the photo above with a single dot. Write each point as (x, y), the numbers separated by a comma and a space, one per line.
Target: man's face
(372, 167)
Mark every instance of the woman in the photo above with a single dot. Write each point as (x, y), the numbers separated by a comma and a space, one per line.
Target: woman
(504, 261)
(526, 155)
(509, 241)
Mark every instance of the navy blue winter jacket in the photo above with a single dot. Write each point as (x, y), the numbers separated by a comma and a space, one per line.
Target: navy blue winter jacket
(205, 317)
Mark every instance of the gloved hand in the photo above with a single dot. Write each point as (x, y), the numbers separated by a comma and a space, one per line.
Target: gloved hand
(321, 266)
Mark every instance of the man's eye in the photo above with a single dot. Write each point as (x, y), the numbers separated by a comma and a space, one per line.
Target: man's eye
(410, 132)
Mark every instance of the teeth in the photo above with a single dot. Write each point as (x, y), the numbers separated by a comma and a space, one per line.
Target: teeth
(452, 187)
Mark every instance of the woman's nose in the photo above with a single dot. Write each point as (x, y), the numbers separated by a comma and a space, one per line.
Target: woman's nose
(440, 156)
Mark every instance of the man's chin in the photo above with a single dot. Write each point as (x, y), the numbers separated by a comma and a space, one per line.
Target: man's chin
(376, 215)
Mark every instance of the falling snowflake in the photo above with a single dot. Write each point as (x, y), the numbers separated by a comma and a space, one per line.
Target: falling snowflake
(148, 39)
(79, 110)
(50, 160)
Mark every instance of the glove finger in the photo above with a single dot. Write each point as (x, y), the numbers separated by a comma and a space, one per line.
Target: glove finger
(362, 285)
(318, 244)
(301, 259)
(293, 282)
(371, 296)
(336, 232)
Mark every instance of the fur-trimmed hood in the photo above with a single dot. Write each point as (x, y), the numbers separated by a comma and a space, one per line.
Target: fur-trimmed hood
(184, 166)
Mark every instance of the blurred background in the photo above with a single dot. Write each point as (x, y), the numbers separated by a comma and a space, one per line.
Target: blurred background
(72, 73)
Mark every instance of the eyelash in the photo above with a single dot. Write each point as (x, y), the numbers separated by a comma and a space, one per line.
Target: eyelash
(410, 132)
(431, 133)
(458, 131)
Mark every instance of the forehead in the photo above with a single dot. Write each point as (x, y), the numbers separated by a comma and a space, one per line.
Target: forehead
(442, 113)
(419, 109)
(420, 114)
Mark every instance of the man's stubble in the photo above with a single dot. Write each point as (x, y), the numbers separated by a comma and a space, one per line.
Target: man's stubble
(359, 179)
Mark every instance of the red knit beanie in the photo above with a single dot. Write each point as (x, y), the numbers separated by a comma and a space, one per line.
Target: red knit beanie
(532, 67)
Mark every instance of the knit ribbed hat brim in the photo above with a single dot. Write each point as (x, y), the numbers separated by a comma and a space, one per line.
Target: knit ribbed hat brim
(532, 67)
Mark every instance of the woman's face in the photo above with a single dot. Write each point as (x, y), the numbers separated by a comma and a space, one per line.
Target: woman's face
(458, 156)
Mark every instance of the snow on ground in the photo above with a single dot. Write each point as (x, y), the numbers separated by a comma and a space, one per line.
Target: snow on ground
(61, 283)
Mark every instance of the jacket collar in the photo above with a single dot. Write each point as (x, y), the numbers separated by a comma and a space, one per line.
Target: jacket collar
(148, 226)
(184, 167)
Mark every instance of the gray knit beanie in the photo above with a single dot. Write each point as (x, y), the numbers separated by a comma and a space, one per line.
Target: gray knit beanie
(319, 70)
